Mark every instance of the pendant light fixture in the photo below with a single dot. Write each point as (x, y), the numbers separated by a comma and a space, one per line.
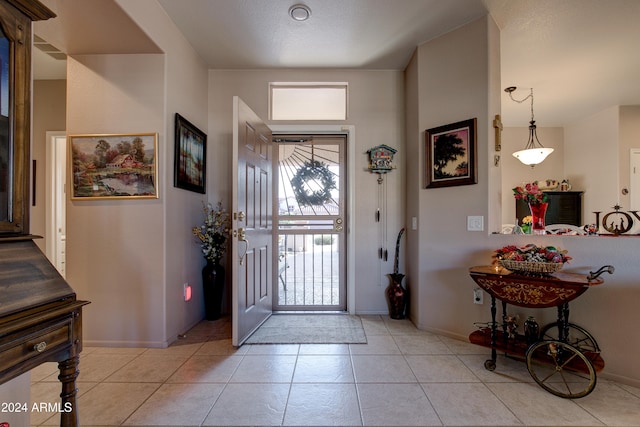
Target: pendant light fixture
(534, 152)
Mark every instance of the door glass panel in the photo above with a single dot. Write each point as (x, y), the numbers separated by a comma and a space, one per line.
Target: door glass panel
(6, 163)
(311, 223)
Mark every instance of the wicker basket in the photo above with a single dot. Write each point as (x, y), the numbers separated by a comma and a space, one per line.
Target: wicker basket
(531, 267)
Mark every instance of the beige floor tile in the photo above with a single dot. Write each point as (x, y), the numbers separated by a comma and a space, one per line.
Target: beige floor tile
(468, 404)
(612, 405)
(45, 372)
(440, 369)
(464, 347)
(177, 405)
(382, 369)
(534, 406)
(110, 404)
(421, 344)
(374, 325)
(291, 349)
(132, 351)
(96, 366)
(402, 327)
(182, 349)
(376, 344)
(324, 349)
(322, 405)
(396, 405)
(206, 369)
(249, 405)
(507, 369)
(631, 389)
(323, 369)
(148, 369)
(49, 392)
(221, 347)
(265, 369)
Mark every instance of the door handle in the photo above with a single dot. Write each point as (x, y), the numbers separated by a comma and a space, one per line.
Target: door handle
(240, 216)
(242, 237)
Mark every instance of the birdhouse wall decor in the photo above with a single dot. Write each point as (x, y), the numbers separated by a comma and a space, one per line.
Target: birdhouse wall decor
(381, 162)
(381, 159)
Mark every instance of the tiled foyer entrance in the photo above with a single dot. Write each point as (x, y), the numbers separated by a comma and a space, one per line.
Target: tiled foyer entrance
(402, 377)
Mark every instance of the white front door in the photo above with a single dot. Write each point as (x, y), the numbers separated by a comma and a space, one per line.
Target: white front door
(252, 222)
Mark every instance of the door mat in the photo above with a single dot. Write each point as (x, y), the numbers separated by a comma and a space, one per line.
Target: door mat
(310, 329)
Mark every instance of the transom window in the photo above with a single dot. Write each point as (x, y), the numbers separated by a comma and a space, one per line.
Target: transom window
(308, 101)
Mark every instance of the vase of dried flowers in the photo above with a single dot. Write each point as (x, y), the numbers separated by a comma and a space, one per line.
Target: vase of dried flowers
(212, 236)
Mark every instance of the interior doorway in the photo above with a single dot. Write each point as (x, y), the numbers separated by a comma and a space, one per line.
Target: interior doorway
(311, 230)
(55, 227)
(634, 179)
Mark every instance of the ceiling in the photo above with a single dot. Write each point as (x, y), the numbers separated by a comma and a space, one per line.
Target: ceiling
(580, 56)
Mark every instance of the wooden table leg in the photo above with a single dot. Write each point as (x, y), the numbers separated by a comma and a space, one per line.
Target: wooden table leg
(68, 374)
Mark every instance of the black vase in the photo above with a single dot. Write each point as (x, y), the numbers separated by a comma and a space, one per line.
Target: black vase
(397, 296)
(531, 330)
(213, 288)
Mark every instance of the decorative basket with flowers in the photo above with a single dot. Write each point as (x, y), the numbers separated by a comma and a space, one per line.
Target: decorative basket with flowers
(532, 259)
(213, 233)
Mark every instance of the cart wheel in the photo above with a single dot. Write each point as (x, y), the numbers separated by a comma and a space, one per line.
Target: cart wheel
(561, 369)
(578, 337)
(490, 365)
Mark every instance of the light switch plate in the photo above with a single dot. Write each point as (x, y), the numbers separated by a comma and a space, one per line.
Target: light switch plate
(475, 223)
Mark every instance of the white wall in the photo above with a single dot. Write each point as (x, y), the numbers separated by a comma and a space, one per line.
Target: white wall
(376, 109)
(591, 149)
(130, 258)
(115, 248)
(185, 78)
(452, 77)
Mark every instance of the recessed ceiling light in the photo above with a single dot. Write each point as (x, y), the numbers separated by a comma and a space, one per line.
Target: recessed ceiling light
(300, 12)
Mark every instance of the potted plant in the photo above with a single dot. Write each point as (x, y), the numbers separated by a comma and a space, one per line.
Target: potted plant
(212, 236)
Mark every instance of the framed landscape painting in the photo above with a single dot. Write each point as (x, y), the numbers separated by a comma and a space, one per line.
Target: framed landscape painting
(190, 156)
(450, 155)
(114, 166)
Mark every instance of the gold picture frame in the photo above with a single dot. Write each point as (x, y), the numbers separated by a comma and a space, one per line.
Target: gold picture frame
(113, 166)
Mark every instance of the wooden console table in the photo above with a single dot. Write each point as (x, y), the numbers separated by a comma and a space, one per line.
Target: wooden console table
(40, 320)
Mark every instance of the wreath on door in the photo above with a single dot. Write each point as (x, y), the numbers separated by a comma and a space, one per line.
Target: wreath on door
(312, 184)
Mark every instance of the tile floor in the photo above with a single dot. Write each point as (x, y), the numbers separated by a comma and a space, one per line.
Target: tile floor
(402, 377)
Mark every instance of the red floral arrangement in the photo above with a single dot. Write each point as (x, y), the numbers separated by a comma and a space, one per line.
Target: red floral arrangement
(530, 193)
(532, 253)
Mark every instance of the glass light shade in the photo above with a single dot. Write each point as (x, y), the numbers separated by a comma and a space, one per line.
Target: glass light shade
(533, 156)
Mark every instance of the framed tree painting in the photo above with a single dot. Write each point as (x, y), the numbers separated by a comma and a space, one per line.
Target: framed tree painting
(114, 166)
(190, 156)
(450, 155)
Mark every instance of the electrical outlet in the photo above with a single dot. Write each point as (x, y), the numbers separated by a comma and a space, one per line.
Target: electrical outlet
(478, 296)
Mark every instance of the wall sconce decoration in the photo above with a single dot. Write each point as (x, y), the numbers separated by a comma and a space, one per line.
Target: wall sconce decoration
(534, 152)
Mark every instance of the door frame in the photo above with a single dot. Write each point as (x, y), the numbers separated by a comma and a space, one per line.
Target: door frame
(56, 192)
(350, 132)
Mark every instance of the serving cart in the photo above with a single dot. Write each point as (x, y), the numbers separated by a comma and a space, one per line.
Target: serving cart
(564, 358)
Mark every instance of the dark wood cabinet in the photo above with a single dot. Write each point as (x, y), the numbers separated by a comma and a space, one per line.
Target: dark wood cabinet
(40, 317)
(565, 207)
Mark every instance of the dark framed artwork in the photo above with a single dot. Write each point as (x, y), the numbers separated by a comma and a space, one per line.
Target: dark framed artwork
(114, 166)
(450, 155)
(190, 157)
